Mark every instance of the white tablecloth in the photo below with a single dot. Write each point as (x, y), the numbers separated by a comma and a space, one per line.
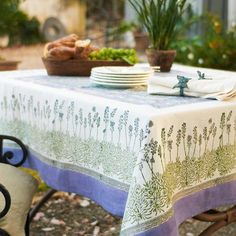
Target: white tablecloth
(158, 149)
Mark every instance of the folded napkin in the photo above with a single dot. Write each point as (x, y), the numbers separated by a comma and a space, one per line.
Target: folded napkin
(195, 85)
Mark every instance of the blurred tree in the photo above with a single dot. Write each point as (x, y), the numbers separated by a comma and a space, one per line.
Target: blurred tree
(16, 24)
(108, 16)
(105, 10)
(8, 9)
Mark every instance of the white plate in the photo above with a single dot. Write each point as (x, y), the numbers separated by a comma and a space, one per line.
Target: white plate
(114, 85)
(123, 70)
(118, 81)
(120, 75)
(120, 78)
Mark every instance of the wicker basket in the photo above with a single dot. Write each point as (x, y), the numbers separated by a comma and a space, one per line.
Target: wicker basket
(76, 67)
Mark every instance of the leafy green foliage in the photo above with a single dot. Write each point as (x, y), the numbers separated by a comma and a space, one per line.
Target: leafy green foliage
(122, 28)
(8, 9)
(17, 25)
(160, 18)
(217, 49)
(111, 54)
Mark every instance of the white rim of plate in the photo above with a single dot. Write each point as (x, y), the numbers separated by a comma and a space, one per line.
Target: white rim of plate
(119, 78)
(117, 85)
(118, 81)
(123, 70)
(121, 86)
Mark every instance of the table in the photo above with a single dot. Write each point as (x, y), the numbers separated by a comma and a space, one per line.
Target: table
(154, 160)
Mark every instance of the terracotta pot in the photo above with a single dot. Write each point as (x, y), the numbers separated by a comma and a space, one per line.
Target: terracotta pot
(162, 58)
(141, 41)
(8, 65)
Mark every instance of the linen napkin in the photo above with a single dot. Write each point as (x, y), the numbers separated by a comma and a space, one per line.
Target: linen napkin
(194, 85)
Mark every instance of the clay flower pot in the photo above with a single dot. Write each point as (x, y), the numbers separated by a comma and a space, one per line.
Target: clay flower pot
(8, 65)
(141, 41)
(161, 58)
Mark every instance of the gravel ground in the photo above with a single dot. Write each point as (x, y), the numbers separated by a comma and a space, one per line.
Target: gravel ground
(71, 215)
(74, 215)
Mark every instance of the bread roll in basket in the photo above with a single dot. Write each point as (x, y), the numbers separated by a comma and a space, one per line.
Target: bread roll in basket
(69, 56)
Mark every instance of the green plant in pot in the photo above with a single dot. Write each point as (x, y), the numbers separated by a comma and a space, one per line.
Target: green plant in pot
(160, 18)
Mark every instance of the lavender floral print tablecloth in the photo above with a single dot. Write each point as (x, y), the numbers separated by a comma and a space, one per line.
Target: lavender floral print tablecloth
(162, 151)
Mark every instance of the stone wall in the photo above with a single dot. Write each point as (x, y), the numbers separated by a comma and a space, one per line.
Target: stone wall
(231, 13)
(71, 13)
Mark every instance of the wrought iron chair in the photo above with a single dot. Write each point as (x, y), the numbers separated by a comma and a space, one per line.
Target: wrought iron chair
(7, 158)
(6, 208)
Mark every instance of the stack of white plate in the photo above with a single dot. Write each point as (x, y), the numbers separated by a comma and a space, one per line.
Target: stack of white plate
(120, 76)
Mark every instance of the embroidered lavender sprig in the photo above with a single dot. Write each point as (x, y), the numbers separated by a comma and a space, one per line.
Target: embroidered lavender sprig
(201, 76)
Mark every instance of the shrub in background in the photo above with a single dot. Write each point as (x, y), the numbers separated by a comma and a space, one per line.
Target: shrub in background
(20, 28)
(214, 48)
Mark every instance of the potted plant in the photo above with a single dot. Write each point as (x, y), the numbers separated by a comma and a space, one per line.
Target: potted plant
(4, 63)
(160, 19)
(8, 65)
(140, 36)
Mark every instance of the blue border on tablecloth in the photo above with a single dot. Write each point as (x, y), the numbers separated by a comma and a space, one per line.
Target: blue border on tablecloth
(114, 200)
(110, 198)
(194, 204)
